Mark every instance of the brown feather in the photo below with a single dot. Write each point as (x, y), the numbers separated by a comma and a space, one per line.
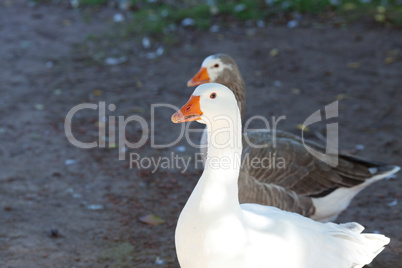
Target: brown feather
(304, 176)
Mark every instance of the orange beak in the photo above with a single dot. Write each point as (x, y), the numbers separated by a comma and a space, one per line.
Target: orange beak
(189, 112)
(199, 78)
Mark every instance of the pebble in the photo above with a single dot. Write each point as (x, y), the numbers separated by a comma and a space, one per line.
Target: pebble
(181, 148)
(39, 106)
(77, 195)
(49, 64)
(54, 233)
(152, 55)
(214, 29)
(359, 147)
(240, 7)
(118, 17)
(146, 43)
(74, 3)
(393, 203)
(260, 24)
(292, 24)
(95, 207)
(187, 22)
(159, 261)
(69, 162)
(115, 61)
(278, 83)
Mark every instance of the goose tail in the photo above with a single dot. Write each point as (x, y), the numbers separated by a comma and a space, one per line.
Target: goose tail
(381, 172)
(364, 247)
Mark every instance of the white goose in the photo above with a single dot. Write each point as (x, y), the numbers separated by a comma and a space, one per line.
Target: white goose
(306, 185)
(215, 231)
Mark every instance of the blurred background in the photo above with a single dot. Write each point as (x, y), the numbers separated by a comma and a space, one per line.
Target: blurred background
(63, 206)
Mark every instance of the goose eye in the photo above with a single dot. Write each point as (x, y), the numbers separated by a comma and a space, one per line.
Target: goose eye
(216, 65)
(213, 96)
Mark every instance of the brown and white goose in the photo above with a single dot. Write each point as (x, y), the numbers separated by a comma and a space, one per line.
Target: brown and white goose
(306, 185)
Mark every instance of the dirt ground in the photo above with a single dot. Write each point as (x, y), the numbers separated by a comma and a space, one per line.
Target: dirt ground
(63, 206)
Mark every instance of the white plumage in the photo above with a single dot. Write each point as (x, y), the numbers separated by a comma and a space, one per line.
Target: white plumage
(215, 231)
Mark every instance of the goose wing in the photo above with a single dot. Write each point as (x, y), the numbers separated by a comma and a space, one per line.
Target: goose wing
(285, 162)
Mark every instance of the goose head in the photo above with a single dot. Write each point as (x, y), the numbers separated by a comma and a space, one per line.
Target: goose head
(208, 103)
(222, 69)
(215, 69)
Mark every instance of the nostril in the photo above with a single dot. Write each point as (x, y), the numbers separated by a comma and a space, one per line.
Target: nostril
(188, 108)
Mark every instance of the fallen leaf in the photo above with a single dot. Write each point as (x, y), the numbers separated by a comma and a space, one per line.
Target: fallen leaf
(349, 6)
(273, 52)
(302, 127)
(66, 22)
(342, 96)
(152, 219)
(389, 60)
(136, 109)
(39, 106)
(97, 93)
(139, 83)
(214, 10)
(353, 65)
(7, 3)
(381, 9)
(251, 32)
(36, 137)
(296, 91)
(25, 44)
(393, 53)
(379, 17)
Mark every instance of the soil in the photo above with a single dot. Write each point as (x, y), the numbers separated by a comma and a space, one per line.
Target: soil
(64, 206)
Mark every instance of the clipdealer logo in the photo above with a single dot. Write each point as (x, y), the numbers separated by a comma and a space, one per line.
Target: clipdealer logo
(118, 124)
